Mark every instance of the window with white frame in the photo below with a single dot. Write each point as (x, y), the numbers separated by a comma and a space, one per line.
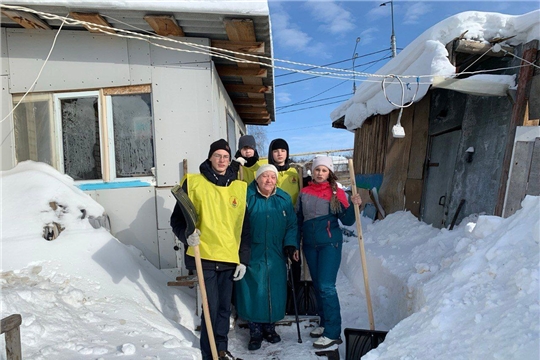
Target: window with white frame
(91, 135)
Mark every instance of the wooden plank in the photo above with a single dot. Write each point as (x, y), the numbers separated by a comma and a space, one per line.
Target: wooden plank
(125, 90)
(251, 110)
(26, 20)
(480, 48)
(256, 116)
(248, 47)
(518, 113)
(413, 196)
(164, 25)
(243, 88)
(419, 142)
(517, 186)
(248, 101)
(9, 323)
(392, 192)
(233, 70)
(93, 18)
(533, 187)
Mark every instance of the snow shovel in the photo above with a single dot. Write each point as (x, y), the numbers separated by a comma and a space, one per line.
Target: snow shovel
(359, 342)
(190, 214)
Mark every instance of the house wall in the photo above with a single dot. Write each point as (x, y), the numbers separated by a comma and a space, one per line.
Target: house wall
(189, 106)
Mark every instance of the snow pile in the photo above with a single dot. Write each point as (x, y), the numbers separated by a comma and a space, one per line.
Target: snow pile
(426, 57)
(469, 293)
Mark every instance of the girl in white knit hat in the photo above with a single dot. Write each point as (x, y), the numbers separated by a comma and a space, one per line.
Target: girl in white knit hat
(319, 207)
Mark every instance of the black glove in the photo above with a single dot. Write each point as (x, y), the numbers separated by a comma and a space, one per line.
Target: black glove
(289, 251)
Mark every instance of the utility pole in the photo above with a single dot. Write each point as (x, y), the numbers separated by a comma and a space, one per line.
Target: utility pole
(393, 36)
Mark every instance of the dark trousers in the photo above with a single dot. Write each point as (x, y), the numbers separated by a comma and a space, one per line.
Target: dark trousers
(219, 286)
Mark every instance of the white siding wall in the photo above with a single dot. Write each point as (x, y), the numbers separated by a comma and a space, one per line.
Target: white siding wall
(189, 105)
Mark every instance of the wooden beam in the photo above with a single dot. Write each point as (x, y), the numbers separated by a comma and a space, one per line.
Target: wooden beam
(526, 73)
(232, 70)
(93, 18)
(248, 101)
(256, 116)
(125, 90)
(164, 25)
(251, 110)
(248, 47)
(250, 121)
(479, 48)
(26, 20)
(242, 88)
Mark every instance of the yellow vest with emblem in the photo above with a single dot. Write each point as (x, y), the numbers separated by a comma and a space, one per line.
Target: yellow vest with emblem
(221, 212)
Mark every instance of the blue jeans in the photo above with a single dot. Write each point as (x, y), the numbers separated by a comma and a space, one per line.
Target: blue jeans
(323, 262)
(219, 286)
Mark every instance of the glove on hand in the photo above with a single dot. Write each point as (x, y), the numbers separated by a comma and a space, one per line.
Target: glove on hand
(289, 252)
(194, 239)
(239, 272)
(241, 160)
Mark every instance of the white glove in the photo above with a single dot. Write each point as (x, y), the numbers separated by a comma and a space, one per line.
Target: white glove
(194, 239)
(241, 160)
(239, 272)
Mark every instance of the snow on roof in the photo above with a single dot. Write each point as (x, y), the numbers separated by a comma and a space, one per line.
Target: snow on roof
(427, 55)
(236, 7)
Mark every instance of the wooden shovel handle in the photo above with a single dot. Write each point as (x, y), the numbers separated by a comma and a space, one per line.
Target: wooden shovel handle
(361, 246)
(206, 311)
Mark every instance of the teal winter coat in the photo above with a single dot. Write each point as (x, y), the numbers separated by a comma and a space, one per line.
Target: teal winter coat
(262, 294)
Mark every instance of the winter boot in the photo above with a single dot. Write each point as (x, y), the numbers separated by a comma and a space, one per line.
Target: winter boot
(270, 334)
(317, 332)
(323, 342)
(226, 355)
(255, 343)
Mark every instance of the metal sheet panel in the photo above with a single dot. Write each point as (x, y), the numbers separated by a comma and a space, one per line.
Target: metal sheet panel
(185, 56)
(7, 151)
(165, 202)
(167, 255)
(4, 64)
(182, 116)
(139, 62)
(132, 212)
(80, 60)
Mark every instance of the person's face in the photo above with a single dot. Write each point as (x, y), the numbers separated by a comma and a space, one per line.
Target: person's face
(220, 161)
(280, 155)
(267, 182)
(247, 152)
(321, 174)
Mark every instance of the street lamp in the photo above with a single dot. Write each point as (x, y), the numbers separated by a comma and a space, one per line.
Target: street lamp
(393, 37)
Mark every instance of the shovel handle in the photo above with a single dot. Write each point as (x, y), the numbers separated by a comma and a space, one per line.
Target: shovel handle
(204, 298)
(361, 246)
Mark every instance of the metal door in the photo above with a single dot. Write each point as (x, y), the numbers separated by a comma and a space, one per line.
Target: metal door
(440, 171)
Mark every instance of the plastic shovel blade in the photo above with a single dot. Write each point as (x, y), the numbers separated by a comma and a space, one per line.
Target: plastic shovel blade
(359, 342)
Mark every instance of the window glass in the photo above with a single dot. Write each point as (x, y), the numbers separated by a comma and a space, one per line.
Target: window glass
(133, 137)
(33, 130)
(80, 132)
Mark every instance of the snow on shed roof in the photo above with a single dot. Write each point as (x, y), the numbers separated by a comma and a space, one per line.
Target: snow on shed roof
(232, 7)
(427, 55)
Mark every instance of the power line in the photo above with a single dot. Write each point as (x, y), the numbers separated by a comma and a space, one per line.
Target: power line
(308, 102)
(307, 108)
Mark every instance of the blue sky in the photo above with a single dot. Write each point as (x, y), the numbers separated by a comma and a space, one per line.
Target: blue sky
(325, 32)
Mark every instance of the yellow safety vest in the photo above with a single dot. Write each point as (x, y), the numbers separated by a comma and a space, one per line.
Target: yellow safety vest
(249, 172)
(220, 210)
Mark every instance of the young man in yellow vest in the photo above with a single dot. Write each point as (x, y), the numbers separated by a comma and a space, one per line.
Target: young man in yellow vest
(288, 180)
(223, 235)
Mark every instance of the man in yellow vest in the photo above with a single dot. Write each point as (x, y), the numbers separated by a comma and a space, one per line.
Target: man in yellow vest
(288, 180)
(223, 235)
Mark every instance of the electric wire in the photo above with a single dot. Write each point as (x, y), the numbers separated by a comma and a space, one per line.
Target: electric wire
(310, 107)
(313, 101)
(38, 75)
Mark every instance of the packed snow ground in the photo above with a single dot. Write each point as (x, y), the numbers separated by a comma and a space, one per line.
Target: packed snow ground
(469, 293)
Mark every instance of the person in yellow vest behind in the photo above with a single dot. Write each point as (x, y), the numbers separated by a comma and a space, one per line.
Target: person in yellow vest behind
(223, 235)
(288, 180)
(248, 156)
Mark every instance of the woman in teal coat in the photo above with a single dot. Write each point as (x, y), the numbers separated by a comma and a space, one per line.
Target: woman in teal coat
(260, 297)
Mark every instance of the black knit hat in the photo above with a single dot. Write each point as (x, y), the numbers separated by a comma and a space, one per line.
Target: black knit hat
(279, 144)
(247, 140)
(220, 144)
